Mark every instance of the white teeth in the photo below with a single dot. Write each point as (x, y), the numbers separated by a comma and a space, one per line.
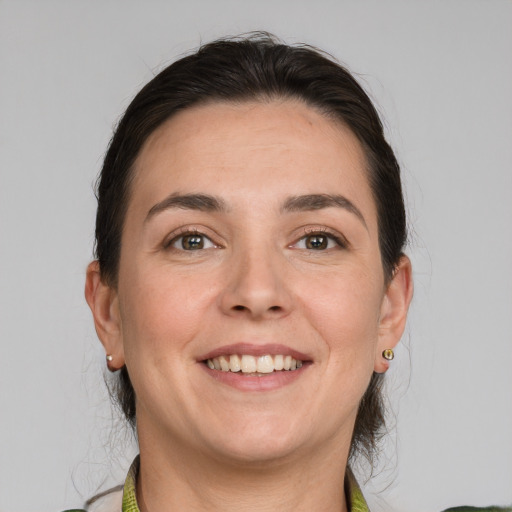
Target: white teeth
(265, 364)
(248, 364)
(224, 364)
(254, 365)
(234, 363)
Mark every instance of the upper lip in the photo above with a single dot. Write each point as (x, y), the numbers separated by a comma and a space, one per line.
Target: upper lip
(255, 350)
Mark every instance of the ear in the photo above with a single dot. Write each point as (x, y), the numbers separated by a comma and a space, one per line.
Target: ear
(393, 314)
(104, 304)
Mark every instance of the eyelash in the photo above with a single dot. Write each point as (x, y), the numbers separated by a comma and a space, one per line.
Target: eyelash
(184, 232)
(340, 241)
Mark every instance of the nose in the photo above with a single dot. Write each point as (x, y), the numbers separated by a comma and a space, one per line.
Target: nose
(256, 287)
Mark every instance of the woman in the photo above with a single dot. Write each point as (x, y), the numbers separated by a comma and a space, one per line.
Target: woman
(250, 282)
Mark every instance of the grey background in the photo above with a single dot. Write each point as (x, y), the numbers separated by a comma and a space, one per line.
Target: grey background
(441, 74)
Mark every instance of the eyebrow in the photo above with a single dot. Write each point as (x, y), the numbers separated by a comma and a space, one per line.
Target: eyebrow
(200, 202)
(208, 203)
(311, 202)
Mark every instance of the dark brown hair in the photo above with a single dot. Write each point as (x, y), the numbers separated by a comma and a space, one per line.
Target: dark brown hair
(255, 67)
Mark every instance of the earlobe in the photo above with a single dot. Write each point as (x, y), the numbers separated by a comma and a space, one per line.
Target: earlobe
(103, 301)
(393, 314)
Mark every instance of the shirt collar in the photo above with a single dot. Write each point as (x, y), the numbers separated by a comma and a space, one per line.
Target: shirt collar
(129, 491)
(353, 492)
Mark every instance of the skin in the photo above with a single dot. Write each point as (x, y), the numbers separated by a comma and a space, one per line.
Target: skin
(206, 445)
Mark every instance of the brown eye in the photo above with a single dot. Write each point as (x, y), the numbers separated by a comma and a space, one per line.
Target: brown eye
(191, 242)
(316, 242)
(320, 241)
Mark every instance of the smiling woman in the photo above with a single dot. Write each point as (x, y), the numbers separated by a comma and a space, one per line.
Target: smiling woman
(250, 284)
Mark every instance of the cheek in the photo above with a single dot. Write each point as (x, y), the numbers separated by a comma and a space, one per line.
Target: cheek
(161, 312)
(344, 308)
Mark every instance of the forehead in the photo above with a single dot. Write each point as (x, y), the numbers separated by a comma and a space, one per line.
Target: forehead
(256, 150)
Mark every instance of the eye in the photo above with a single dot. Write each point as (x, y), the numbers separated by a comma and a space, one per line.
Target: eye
(319, 241)
(191, 242)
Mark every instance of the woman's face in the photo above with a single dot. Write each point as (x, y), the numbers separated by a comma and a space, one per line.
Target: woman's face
(251, 231)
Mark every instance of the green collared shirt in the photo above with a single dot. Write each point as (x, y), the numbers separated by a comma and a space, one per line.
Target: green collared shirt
(355, 499)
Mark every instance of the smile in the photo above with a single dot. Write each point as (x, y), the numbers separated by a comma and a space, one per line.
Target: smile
(254, 365)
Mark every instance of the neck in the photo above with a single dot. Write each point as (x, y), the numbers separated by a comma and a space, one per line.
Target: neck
(181, 479)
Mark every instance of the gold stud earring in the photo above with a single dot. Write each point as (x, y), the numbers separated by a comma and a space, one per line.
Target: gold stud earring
(388, 354)
(109, 358)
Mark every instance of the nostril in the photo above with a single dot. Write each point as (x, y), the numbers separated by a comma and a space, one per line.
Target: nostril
(239, 307)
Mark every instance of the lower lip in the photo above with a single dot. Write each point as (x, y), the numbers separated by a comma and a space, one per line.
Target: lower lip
(267, 382)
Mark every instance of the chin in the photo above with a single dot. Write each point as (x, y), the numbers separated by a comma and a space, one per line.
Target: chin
(259, 441)
(253, 453)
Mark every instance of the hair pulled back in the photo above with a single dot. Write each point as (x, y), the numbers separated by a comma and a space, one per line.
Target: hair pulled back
(257, 67)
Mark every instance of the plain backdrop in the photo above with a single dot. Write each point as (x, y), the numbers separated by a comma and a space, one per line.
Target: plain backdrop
(441, 75)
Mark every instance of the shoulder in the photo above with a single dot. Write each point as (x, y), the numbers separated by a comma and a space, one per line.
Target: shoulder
(112, 501)
(109, 501)
(478, 509)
